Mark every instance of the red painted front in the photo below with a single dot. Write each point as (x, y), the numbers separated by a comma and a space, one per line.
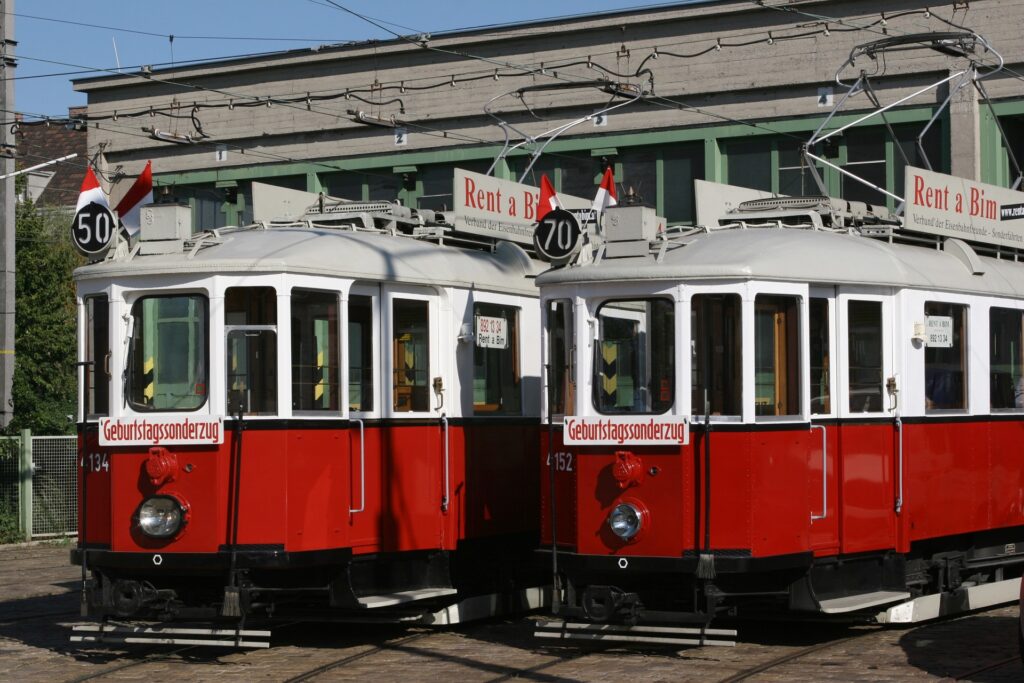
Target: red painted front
(767, 485)
(296, 488)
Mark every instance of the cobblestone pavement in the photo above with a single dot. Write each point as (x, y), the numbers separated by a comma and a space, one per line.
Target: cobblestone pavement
(39, 601)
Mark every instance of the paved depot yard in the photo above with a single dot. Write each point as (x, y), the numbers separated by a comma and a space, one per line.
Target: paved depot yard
(39, 600)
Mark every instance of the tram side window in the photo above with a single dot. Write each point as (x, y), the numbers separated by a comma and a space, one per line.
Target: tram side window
(560, 377)
(411, 356)
(945, 360)
(315, 351)
(1006, 358)
(168, 353)
(776, 355)
(250, 318)
(717, 375)
(865, 356)
(821, 391)
(360, 353)
(496, 387)
(97, 356)
(634, 364)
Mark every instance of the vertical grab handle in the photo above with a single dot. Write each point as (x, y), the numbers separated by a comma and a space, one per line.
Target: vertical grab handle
(362, 468)
(824, 474)
(447, 492)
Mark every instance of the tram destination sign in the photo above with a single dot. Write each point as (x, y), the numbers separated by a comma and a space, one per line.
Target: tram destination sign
(161, 431)
(500, 209)
(940, 204)
(623, 430)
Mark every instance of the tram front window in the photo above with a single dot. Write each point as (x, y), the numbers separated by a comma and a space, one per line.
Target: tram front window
(315, 350)
(167, 355)
(411, 356)
(865, 367)
(945, 357)
(776, 355)
(634, 364)
(97, 356)
(717, 376)
(560, 375)
(250, 316)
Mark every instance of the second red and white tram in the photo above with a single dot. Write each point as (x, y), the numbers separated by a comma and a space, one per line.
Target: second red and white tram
(337, 415)
(854, 410)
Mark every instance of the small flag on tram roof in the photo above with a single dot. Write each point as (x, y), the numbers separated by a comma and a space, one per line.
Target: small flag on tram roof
(91, 192)
(548, 198)
(606, 192)
(138, 195)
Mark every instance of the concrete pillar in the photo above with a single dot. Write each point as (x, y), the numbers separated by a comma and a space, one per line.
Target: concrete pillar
(964, 134)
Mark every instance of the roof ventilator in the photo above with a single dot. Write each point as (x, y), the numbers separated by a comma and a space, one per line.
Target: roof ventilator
(164, 228)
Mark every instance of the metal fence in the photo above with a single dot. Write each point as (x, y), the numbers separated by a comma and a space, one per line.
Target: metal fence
(38, 486)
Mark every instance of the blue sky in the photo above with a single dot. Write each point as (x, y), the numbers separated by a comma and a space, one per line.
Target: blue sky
(205, 29)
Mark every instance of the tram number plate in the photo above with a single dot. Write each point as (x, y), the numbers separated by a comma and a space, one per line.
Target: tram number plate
(563, 461)
(96, 462)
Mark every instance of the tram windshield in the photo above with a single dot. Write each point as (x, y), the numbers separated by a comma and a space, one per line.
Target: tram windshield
(634, 363)
(167, 364)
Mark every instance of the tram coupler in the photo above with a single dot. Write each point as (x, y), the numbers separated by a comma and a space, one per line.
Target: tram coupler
(602, 604)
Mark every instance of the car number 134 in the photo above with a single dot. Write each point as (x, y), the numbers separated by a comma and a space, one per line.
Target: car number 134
(563, 461)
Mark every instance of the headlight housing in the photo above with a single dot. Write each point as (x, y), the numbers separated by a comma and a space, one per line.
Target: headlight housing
(626, 520)
(161, 516)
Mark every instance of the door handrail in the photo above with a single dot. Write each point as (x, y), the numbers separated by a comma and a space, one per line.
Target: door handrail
(362, 468)
(446, 495)
(824, 474)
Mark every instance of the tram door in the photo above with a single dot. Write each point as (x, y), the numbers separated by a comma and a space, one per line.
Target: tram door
(824, 455)
(866, 447)
(398, 436)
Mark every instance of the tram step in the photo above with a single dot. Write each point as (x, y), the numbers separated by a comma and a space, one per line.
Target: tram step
(160, 635)
(661, 635)
(944, 604)
(403, 597)
(854, 603)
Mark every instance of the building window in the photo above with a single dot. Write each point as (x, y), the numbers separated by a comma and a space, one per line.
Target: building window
(634, 364)
(411, 349)
(717, 376)
(315, 350)
(749, 163)
(776, 355)
(167, 359)
(496, 387)
(682, 164)
(360, 353)
(945, 360)
(865, 356)
(97, 356)
(1006, 357)
(250, 322)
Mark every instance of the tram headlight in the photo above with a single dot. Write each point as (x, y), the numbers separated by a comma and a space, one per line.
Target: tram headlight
(625, 521)
(161, 516)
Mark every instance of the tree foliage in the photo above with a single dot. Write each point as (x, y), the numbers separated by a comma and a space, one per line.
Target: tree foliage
(45, 315)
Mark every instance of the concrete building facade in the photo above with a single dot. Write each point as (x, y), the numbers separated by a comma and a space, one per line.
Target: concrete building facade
(733, 89)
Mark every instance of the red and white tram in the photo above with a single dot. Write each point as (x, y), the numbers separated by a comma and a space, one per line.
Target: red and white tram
(336, 414)
(854, 402)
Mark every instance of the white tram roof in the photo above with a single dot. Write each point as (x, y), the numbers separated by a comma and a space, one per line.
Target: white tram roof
(801, 255)
(338, 253)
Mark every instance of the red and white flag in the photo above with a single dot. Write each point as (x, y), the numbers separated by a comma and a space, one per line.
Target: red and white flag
(606, 192)
(138, 195)
(91, 192)
(548, 198)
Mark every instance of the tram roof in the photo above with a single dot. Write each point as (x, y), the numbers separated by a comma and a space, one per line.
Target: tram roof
(338, 253)
(800, 255)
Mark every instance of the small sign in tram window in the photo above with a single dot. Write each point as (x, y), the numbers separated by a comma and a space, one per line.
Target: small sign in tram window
(491, 333)
(939, 329)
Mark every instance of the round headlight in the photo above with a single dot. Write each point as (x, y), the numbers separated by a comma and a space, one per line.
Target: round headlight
(160, 517)
(625, 521)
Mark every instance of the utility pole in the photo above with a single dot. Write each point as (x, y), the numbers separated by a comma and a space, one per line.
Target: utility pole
(7, 221)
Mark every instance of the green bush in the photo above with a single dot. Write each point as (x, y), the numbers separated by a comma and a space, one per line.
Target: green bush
(9, 531)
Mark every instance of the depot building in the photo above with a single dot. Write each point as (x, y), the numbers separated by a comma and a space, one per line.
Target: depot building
(726, 91)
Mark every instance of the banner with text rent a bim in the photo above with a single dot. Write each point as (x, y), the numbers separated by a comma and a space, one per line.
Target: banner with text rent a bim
(502, 209)
(941, 204)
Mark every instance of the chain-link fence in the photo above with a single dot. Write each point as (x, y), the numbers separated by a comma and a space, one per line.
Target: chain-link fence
(54, 486)
(38, 487)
